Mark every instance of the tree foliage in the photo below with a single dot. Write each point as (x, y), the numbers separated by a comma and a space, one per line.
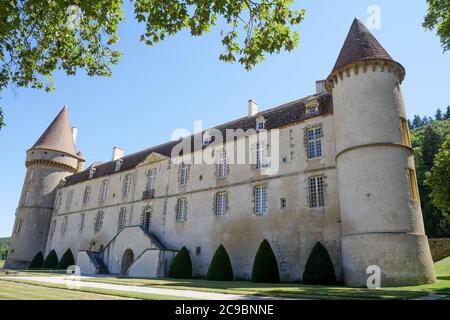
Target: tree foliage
(438, 18)
(319, 268)
(265, 266)
(37, 261)
(51, 262)
(220, 268)
(439, 178)
(66, 261)
(40, 37)
(181, 267)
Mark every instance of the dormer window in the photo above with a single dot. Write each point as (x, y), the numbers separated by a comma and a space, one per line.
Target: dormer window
(312, 106)
(118, 164)
(260, 123)
(312, 111)
(206, 138)
(92, 173)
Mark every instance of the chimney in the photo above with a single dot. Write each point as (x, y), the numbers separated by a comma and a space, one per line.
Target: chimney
(117, 153)
(320, 86)
(252, 108)
(74, 135)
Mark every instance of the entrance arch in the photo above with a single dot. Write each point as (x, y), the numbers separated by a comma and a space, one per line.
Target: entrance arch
(127, 261)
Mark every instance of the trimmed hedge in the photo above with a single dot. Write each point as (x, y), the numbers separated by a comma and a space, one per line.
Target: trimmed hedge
(37, 261)
(265, 266)
(181, 267)
(319, 269)
(51, 262)
(66, 261)
(220, 268)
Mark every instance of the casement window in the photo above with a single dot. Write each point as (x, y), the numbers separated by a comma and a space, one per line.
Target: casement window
(413, 184)
(24, 200)
(259, 155)
(260, 195)
(314, 138)
(261, 125)
(87, 194)
(146, 218)
(181, 210)
(118, 165)
(52, 228)
(151, 178)
(316, 192)
(92, 173)
(83, 217)
(312, 111)
(58, 200)
(126, 183)
(122, 219)
(64, 224)
(18, 226)
(221, 203)
(98, 223)
(69, 199)
(184, 174)
(405, 133)
(283, 203)
(222, 166)
(103, 191)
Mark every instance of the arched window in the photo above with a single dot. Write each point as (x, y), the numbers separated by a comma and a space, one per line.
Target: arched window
(146, 218)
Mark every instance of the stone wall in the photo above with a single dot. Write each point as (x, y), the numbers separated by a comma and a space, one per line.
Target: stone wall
(440, 248)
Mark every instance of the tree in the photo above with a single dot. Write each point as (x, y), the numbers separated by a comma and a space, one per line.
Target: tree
(51, 262)
(265, 266)
(439, 178)
(181, 267)
(447, 113)
(66, 261)
(319, 269)
(417, 122)
(439, 115)
(220, 268)
(438, 18)
(432, 142)
(40, 37)
(37, 261)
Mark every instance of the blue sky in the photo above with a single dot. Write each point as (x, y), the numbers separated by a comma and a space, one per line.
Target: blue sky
(154, 91)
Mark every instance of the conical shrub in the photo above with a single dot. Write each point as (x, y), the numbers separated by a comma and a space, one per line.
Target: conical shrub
(319, 269)
(220, 268)
(51, 262)
(181, 267)
(265, 266)
(66, 261)
(37, 261)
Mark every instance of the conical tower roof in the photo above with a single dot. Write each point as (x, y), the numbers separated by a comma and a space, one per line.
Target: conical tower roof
(360, 45)
(58, 136)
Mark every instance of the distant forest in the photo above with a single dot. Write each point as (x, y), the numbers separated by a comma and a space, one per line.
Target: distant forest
(4, 246)
(427, 137)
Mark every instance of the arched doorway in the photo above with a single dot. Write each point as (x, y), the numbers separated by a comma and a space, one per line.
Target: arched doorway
(127, 261)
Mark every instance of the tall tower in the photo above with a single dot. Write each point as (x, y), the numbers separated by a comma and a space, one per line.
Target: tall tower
(51, 159)
(381, 217)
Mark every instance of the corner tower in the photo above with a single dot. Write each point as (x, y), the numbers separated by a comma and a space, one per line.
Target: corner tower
(51, 159)
(382, 222)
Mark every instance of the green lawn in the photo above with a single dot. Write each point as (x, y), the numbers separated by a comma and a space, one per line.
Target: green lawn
(442, 286)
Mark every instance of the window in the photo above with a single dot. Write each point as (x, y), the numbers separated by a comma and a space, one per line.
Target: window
(58, 200)
(24, 200)
(181, 210)
(405, 133)
(413, 185)
(122, 219)
(18, 226)
(283, 203)
(118, 164)
(206, 138)
(146, 218)
(83, 216)
(261, 125)
(126, 184)
(184, 174)
(69, 199)
(260, 200)
(316, 192)
(222, 167)
(87, 194)
(64, 224)
(259, 155)
(98, 221)
(312, 111)
(198, 251)
(314, 137)
(103, 191)
(92, 173)
(221, 203)
(52, 228)
(151, 176)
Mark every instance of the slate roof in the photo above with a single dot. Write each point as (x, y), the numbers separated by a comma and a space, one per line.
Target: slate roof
(276, 117)
(360, 45)
(58, 136)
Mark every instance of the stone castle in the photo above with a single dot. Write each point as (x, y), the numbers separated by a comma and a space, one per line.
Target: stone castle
(345, 177)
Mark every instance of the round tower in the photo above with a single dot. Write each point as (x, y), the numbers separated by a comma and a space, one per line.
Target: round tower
(382, 222)
(51, 159)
